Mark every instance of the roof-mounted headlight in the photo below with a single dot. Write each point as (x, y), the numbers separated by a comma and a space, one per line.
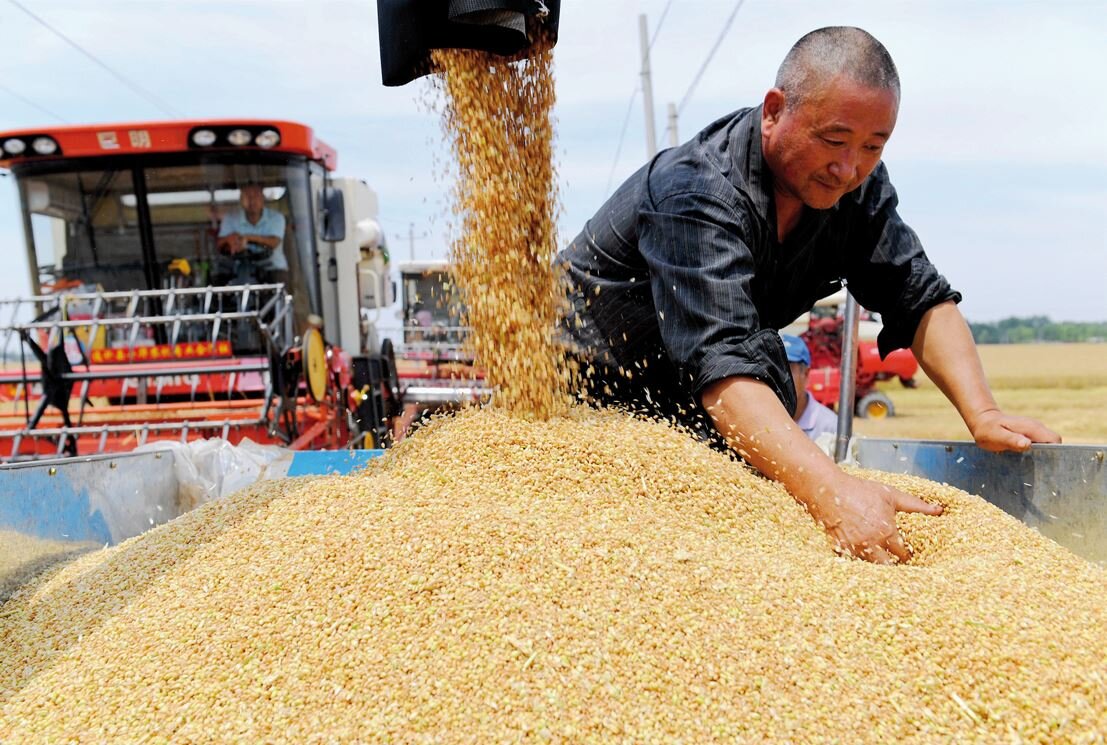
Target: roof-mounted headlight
(15, 146)
(203, 138)
(239, 137)
(268, 138)
(44, 146)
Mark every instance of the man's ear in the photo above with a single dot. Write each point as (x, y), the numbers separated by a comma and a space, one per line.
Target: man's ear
(772, 108)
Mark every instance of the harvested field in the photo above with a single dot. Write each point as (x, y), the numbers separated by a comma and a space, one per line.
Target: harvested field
(1063, 385)
(589, 579)
(1069, 366)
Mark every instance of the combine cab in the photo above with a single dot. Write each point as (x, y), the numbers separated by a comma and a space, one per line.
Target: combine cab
(147, 321)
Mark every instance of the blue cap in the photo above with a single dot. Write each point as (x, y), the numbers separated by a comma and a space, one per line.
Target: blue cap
(796, 349)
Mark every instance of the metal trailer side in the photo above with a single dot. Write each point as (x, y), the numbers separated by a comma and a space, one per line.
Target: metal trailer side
(1059, 490)
(53, 511)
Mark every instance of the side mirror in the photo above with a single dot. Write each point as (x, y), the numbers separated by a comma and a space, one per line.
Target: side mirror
(333, 207)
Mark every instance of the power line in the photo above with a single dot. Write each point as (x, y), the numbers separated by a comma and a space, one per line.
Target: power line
(32, 104)
(622, 136)
(633, 96)
(118, 76)
(660, 23)
(710, 55)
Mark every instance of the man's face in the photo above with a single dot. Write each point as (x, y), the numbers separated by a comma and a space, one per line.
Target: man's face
(253, 201)
(825, 147)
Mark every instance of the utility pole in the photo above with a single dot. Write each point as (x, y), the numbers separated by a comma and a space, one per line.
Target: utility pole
(674, 140)
(411, 239)
(647, 86)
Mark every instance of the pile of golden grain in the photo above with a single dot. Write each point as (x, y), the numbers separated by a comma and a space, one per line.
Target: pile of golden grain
(589, 578)
(497, 116)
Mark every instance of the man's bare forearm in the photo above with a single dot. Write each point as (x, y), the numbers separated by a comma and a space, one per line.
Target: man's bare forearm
(945, 348)
(269, 241)
(859, 515)
(947, 353)
(750, 416)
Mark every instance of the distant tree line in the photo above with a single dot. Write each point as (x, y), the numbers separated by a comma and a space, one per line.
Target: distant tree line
(1037, 329)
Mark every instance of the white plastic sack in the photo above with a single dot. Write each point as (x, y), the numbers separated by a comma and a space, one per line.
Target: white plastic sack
(211, 469)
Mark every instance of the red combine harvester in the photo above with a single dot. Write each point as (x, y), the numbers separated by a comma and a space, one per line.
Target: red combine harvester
(823, 332)
(143, 325)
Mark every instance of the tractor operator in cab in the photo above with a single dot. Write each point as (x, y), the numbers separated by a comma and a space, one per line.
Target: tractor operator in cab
(811, 416)
(677, 286)
(250, 239)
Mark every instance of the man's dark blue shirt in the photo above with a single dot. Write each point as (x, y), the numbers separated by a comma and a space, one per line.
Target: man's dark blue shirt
(679, 280)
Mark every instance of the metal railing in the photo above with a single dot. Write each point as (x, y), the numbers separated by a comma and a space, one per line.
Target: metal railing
(182, 310)
(54, 343)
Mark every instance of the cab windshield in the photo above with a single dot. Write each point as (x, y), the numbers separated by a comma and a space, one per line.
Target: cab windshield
(171, 225)
(432, 309)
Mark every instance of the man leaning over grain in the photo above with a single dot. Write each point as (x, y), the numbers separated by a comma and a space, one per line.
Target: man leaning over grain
(679, 282)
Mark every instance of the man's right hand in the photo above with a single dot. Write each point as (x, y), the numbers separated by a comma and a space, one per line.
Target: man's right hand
(860, 516)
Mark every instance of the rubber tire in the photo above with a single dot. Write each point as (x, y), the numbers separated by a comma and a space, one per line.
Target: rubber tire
(871, 403)
(391, 376)
(314, 360)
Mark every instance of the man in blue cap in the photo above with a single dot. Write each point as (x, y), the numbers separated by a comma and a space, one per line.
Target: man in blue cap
(811, 416)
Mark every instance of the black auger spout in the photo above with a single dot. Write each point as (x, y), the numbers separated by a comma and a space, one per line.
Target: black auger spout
(410, 29)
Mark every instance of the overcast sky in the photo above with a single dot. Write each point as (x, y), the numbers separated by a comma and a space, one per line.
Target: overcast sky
(999, 156)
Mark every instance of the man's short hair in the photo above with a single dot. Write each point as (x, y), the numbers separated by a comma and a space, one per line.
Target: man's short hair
(826, 53)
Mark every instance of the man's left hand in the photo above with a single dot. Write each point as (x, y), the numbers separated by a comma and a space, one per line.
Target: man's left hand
(996, 432)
